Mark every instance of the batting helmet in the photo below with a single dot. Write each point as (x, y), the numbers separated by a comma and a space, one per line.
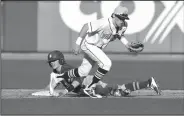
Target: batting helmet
(121, 12)
(56, 55)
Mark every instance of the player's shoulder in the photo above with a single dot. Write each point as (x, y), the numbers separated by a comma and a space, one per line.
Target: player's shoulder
(66, 67)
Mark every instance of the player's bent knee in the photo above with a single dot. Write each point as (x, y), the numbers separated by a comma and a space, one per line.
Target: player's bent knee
(106, 65)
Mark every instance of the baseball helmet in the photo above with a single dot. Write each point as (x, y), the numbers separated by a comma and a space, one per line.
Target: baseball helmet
(56, 55)
(121, 12)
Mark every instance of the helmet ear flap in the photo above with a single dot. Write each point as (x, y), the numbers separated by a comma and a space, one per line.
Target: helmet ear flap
(50, 64)
(61, 61)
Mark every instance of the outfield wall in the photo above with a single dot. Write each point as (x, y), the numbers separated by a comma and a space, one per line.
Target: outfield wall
(41, 26)
(30, 71)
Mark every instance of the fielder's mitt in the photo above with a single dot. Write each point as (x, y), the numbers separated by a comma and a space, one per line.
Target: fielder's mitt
(136, 47)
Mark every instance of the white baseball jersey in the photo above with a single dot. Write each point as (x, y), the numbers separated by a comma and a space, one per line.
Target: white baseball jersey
(102, 31)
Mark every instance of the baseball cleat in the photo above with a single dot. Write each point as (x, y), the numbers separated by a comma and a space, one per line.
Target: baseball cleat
(91, 93)
(153, 85)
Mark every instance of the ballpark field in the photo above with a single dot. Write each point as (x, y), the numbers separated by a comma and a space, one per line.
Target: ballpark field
(23, 74)
(30, 30)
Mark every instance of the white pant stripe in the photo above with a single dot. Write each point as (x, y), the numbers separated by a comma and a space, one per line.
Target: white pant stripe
(100, 73)
(134, 86)
(97, 76)
(137, 83)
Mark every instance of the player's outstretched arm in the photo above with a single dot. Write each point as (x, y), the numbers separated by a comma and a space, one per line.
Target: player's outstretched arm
(124, 41)
(134, 47)
(52, 86)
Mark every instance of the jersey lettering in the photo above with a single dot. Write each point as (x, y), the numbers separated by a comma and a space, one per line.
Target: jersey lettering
(105, 34)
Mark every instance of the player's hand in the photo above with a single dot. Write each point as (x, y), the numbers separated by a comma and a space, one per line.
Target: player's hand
(76, 50)
(64, 92)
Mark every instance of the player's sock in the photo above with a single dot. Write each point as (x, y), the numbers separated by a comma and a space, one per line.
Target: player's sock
(95, 80)
(137, 85)
(98, 75)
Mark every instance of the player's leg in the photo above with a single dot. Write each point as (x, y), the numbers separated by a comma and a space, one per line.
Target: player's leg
(102, 88)
(102, 60)
(82, 70)
(137, 85)
(86, 66)
(86, 81)
(105, 89)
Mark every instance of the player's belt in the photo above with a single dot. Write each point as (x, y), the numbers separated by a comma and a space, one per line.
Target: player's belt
(94, 45)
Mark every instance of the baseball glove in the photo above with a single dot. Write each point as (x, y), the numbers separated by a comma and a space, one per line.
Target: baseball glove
(120, 93)
(136, 47)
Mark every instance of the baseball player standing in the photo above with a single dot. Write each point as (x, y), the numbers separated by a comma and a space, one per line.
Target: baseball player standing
(93, 37)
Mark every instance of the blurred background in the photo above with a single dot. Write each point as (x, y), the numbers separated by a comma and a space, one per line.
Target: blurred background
(31, 29)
